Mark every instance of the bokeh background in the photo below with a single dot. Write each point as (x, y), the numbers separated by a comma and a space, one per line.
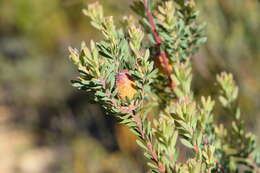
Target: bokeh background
(46, 126)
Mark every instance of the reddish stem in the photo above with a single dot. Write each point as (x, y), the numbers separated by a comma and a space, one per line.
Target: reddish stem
(162, 54)
(148, 143)
(152, 23)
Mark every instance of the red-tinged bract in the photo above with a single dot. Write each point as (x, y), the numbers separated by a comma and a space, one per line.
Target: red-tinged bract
(125, 85)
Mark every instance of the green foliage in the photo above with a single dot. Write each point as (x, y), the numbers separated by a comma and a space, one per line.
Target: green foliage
(231, 29)
(235, 147)
(155, 55)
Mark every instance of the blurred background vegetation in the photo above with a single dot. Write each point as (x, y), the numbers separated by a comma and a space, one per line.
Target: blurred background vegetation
(48, 126)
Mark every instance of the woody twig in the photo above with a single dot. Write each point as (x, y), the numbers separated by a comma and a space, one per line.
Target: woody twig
(163, 60)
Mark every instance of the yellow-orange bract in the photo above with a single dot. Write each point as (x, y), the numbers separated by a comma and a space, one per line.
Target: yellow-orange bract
(125, 85)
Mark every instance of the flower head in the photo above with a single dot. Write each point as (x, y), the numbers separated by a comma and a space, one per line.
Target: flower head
(125, 85)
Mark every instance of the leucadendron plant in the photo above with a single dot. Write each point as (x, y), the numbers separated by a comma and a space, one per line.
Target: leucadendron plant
(141, 74)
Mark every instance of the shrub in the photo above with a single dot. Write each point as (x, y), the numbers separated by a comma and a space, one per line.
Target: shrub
(141, 73)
